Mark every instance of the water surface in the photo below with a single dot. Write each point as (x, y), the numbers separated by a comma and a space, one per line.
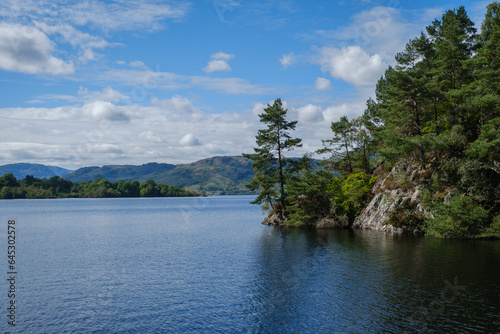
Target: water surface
(161, 265)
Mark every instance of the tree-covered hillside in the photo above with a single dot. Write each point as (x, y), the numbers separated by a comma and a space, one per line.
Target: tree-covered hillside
(214, 176)
(436, 113)
(115, 173)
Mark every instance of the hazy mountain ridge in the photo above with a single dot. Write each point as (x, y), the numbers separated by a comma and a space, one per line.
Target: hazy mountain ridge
(115, 173)
(20, 170)
(216, 175)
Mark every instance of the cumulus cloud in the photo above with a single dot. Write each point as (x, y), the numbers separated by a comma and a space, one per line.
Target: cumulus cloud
(258, 108)
(310, 114)
(219, 63)
(177, 104)
(151, 137)
(28, 50)
(288, 60)
(351, 64)
(189, 140)
(351, 110)
(322, 84)
(383, 30)
(75, 136)
(108, 94)
(222, 56)
(103, 110)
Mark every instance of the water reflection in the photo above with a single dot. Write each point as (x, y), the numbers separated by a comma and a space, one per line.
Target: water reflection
(365, 281)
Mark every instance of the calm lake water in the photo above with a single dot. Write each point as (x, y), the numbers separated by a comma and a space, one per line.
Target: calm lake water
(183, 265)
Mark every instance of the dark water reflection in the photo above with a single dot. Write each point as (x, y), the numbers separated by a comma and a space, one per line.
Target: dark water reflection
(364, 281)
(208, 266)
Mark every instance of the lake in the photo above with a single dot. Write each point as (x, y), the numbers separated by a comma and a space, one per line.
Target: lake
(207, 265)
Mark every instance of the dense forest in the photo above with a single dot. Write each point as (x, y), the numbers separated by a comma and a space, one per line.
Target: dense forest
(436, 110)
(57, 187)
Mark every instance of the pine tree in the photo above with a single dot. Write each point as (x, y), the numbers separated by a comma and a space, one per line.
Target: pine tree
(340, 146)
(272, 169)
(454, 39)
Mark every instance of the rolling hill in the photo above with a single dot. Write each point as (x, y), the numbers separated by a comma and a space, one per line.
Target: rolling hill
(115, 173)
(20, 170)
(214, 176)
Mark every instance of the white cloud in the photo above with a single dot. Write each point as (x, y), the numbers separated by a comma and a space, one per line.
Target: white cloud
(85, 42)
(128, 15)
(382, 30)
(222, 56)
(110, 95)
(322, 84)
(151, 137)
(310, 114)
(258, 108)
(335, 112)
(164, 131)
(29, 50)
(106, 148)
(176, 104)
(352, 64)
(189, 140)
(108, 16)
(288, 60)
(103, 110)
(218, 63)
(138, 64)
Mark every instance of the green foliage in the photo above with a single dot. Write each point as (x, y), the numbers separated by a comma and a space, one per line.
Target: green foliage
(493, 231)
(352, 194)
(272, 170)
(310, 198)
(31, 187)
(460, 218)
(340, 145)
(487, 145)
(351, 146)
(8, 180)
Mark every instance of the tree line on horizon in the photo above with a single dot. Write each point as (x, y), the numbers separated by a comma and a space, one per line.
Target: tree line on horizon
(437, 108)
(57, 187)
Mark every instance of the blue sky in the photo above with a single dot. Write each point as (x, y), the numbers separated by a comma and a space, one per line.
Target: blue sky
(129, 82)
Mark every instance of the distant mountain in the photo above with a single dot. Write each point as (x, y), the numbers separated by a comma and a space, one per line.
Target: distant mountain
(115, 173)
(215, 176)
(20, 170)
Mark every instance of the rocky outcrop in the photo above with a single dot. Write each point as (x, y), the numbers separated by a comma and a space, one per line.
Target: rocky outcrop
(327, 223)
(402, 187)
(273, 219)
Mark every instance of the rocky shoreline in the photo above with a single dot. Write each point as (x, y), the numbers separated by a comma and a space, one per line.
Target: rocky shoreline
(388, 197)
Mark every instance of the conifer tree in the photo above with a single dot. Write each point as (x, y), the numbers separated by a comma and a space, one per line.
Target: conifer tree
(272, 169)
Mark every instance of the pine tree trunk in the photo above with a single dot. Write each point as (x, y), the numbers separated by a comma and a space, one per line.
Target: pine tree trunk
(282, 182)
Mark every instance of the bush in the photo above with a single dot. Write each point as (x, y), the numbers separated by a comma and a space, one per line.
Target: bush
(461, 218)
(493, 231)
